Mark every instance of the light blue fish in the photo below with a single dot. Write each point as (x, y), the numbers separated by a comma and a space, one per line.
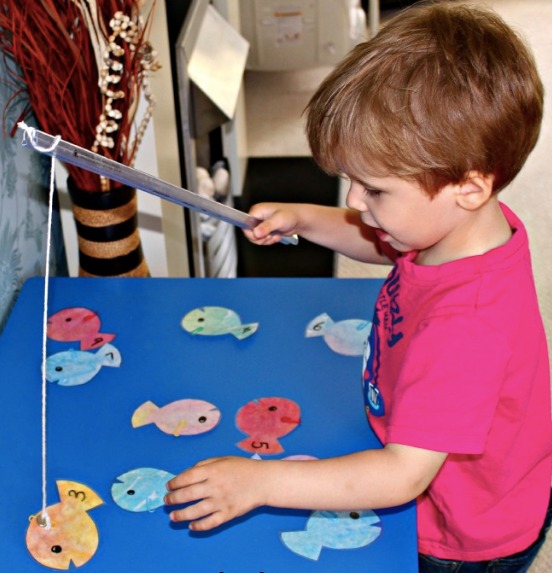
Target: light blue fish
(335, 530)
(74, 367)
(347, 337)
(141, 489)
(215, 321)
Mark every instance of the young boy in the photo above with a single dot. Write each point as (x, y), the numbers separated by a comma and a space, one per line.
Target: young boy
(429, 121)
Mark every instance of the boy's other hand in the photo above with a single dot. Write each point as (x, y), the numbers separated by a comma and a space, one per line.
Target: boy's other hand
(222, 488)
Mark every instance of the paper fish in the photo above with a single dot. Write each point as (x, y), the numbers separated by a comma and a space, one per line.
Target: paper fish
(74, 367)
(215, 321)
(180, 418)
(347, 337)
(335, 530)
(141, 489)
(72, 536)
(265, 420)
(78, 324)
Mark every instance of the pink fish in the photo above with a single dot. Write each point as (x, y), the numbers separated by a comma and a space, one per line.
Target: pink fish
(180, 418)
(78, 324)
(265, 420)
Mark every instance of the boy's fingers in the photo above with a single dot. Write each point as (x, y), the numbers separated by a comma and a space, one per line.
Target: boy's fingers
(264, 229)
(190, 477)
(186, 494)
(176, 482)
(209, 522)
(198, 510)
(185, 480)
(273, 219)
(264, 240)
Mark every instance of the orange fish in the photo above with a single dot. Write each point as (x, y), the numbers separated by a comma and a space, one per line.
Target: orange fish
(71, 536)
(78, 324)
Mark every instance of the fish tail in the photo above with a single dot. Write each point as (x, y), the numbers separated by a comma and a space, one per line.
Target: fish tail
(245, 330)
(142, 415)
(72, 491)
(104, 337)
(301, 542)
(261, 446)
(96, 340)
(110, 355)
(317, 325)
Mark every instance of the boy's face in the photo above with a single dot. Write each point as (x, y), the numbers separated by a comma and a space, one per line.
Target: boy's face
(408, 219)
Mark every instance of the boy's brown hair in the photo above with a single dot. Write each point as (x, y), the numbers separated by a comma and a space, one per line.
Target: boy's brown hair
(443, 89)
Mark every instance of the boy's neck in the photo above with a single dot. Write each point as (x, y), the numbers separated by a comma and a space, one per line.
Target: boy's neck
(479, 232)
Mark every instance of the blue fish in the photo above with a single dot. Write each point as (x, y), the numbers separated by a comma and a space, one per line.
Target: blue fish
(141, 489)
(74, 367)
(335, 530)
(347, 337)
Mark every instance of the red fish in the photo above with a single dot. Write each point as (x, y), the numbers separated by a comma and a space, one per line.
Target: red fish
(78, 324)
(265, 420)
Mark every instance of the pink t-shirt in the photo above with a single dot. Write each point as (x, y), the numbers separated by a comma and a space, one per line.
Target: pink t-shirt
(459, 364)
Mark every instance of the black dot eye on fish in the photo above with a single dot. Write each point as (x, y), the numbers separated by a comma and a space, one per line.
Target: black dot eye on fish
(56, 549)
(272, 408)
(202, 419)
(131, 492)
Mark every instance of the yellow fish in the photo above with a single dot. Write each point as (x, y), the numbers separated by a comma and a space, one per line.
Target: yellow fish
(72, 536)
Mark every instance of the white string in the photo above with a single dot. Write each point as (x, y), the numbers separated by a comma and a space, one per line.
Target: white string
(30, 133)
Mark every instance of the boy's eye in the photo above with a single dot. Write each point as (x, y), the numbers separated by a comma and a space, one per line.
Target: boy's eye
(372, 192)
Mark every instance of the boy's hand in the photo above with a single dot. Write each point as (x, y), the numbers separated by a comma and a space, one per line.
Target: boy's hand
(223, 488)
(277, 219)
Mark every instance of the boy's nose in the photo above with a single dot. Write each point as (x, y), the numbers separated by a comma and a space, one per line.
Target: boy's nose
(354, 198)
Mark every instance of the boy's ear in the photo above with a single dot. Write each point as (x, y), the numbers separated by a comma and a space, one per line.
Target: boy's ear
(475, 190)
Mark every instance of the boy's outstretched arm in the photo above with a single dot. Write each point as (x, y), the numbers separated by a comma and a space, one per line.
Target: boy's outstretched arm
(336, 228)
(224, 488)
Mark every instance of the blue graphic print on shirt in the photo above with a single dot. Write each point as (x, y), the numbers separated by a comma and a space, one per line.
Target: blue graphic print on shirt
(386, 321)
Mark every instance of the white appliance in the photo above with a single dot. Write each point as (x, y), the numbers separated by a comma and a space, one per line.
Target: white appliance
(295, 34)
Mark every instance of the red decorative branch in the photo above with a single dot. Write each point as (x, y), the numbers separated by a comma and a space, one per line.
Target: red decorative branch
(84, 65)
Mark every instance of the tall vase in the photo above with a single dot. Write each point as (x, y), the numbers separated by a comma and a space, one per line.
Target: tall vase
(107, 230)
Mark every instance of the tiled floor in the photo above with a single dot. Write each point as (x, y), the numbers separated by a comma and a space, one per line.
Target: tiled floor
(275, 102)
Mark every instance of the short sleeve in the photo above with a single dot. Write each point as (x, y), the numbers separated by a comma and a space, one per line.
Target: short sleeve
(449, 385)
